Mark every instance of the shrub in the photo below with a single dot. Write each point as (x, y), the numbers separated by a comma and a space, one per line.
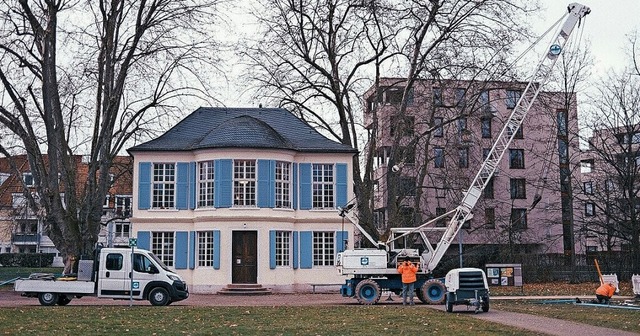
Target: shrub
(26, 259)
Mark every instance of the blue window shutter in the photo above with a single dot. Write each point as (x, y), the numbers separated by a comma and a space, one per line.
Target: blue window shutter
(295, 186)
(342, 237)
(341, 184)
(182, 186)
(192, 249)
(144, 185)
(272, 249)
(264, 187)
(144, 239)
(192, 185)
(216, 249)
(306, 249)
(295, 249)
(272, 184)
(181, 249)
(223, 183)
(305, 186)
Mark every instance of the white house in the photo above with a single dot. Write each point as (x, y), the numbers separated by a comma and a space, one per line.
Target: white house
(243, 196)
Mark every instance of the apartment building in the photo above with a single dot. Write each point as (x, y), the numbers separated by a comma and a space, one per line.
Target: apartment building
(444, 135)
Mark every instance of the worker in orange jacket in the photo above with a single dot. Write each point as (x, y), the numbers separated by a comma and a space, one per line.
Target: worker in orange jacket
(408, 271)
(605, 292)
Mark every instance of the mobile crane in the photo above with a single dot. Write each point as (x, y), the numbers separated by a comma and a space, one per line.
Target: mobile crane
(374, 269)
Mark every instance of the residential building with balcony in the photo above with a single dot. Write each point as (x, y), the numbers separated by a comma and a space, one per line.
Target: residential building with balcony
(243, 196)
(444, 135)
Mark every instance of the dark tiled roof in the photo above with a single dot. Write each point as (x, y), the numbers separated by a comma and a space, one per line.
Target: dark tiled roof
(221, 127)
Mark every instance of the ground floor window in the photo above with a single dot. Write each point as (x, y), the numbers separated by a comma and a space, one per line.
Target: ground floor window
(205, 248)
(323, 248)
(283, 248)
(162, 245)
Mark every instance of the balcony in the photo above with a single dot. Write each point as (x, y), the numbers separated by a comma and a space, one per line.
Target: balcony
(25, 238)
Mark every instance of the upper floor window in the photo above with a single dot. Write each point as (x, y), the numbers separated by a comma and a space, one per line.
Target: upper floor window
(323, 186)
(589, 209)
(461, 97)
(488, 191)
(437, 97)
(519, 218)
(27, 178)
(512, 98)
(628, 138)
(586, 166)
(485, 127)
(244, 183)
(588, 188)
(164, 185)
(393, 95)
(438, 157)
(516, 158)
(518, 188)
(283, 184)
(490, 218)
(483, 101)
(562, 123)
(123, 205)
(438, 129)
(206, 177)
(407, 186)
(402, 124)
(106, 201)
(463, 157)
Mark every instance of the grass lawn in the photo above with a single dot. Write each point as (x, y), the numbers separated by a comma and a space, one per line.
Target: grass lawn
(334, 320)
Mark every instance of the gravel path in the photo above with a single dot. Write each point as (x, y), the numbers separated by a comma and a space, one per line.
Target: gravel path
(534, 323)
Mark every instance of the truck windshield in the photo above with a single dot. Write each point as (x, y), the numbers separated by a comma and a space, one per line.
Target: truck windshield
(159, 262)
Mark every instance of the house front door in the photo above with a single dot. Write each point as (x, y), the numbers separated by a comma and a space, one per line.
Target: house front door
(245, 257)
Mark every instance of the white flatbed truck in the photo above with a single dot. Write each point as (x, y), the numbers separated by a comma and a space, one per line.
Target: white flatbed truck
(112, 274)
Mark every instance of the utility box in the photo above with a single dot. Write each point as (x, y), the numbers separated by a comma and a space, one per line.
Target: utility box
(504, 274)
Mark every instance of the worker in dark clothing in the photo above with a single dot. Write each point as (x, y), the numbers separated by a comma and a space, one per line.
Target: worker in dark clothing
(604, 293)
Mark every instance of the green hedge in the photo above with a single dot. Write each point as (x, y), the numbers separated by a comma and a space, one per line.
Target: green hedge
(26, 259)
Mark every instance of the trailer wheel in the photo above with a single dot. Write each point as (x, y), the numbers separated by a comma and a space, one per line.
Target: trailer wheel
(448, 303)
(159, 296)
(368, 292)
(48, 299)
(63, 300)
(433, 292)
(485, 304)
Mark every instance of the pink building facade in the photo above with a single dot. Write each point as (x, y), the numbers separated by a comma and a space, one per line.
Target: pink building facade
(445, 133)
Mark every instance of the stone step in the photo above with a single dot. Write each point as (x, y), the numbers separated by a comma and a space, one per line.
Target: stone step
(244, 289)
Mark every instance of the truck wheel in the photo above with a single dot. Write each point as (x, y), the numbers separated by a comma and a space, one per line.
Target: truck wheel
(448, 303)
(433, 292)
(485, 304)
(48, 299)
(159, 296)
(63, 300)
(368, 292)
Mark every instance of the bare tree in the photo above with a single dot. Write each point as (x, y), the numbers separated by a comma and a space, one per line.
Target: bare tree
(318, 57)
(98, 74)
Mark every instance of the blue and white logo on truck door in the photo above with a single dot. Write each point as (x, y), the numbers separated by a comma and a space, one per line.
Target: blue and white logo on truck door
(136, 285)
(364, 261)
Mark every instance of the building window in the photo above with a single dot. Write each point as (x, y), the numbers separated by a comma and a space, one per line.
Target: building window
(283, 185)
(403, 124)
(485, 127)
(512, 98)
(122, 229)
(27, 178)
(490, 218)
(438, 131)
(323, 194)
(516, 158)
(461, 97)
(609, 185)
(562, 123)
(407, 186)
(123, 205)
(205, 248)
(488, 189)
(586, 166)
(462, 126)
(437, 97)
(442, 222)
(589, 209)
(323, 248)
(485, 153)
(518, 188)
(463, 157)
(283, 248)
(438, 157)
(483, 101)
(408, 155)
(164, 185)
(519, 134)
(162, 246)
(588, 188)
(106, 201)
(28, 226)
(244, 183)
(519, 218)
(206, 176)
